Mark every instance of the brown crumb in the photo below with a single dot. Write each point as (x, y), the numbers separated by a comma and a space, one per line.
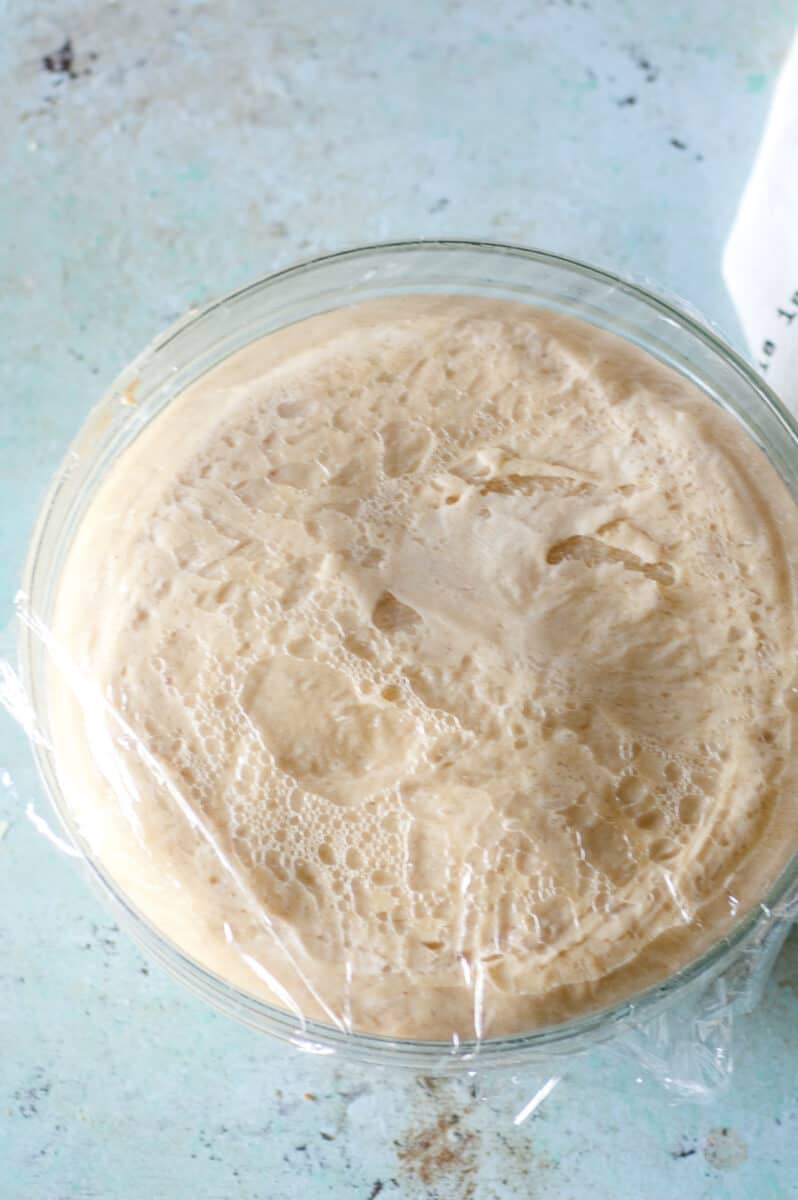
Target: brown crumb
(442, 1151)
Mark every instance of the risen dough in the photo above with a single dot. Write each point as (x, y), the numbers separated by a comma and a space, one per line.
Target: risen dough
(431, 669)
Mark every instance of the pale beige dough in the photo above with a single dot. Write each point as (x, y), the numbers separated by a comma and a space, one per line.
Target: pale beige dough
(432, 669)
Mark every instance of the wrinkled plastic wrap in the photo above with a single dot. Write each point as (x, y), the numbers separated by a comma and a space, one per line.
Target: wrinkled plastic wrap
(280, 678)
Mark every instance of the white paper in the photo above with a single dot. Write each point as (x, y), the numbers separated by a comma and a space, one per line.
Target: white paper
(760, 261)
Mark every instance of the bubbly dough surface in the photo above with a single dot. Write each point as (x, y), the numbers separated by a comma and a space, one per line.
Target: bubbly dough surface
(432, 669)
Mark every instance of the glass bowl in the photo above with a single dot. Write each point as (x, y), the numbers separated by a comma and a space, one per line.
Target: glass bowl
(204, 338)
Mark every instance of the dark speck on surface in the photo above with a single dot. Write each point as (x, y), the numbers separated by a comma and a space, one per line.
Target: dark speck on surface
(685, 1152)
(439, 205)
(28, 1098)
(627, 101)
(61, 61)
(645, 64)
(104, 937)
(328, 1137)
(678, 145)
(377, 1188)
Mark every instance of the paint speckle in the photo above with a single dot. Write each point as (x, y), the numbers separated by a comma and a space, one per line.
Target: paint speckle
(376, 1189)
(61, 64)
(684, 1152)
(28, 1099)
(644, 64)
(61, 61)
(678, 144)
(207, 1142)
(724, 1149)
(626, 102)
(440, 204)
(104, 937)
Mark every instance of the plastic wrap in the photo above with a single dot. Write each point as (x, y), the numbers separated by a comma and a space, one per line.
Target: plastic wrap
(408, 710)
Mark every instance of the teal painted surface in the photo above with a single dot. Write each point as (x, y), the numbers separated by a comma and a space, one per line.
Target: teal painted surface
(198, 146)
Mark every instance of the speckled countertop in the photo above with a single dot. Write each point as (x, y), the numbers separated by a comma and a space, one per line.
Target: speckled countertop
(171, 153)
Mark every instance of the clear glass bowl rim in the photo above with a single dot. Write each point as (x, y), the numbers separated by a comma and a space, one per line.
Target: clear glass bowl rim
(550, 1041)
